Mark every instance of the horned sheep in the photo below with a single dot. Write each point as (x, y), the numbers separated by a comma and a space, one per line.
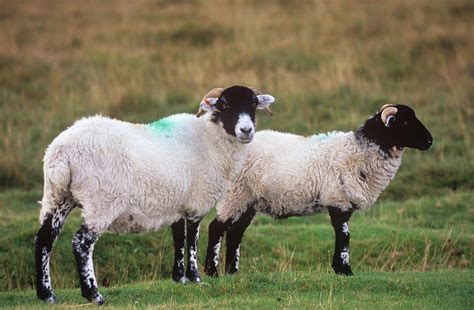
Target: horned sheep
(339, 172)
(135, 177)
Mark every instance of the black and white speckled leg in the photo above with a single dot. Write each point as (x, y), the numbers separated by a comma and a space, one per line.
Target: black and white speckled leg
(340, 223)
(216, 232)
(179, 237)
(234, 238)
(83, 246)
(192, 237)
(44, 240)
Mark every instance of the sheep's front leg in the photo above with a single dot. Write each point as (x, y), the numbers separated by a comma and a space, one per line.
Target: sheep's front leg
(217, 230)
(192, 236)
(234, 238)
(83, 246)
(179, 236)
(340, 223)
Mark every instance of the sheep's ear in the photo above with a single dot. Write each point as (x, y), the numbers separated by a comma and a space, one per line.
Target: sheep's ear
(264, 101)
(209, 104)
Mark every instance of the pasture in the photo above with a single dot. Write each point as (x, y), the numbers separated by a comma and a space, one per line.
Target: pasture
(329, 64)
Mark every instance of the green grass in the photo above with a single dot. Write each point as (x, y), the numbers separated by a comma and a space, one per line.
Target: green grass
(420, 290)
(393, 240)
(329, 64)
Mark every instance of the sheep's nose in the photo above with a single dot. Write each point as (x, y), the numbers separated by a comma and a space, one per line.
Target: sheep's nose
(246, 130)
(430, 140)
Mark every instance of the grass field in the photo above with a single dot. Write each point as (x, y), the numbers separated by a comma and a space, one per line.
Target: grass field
(330, 64)
(436, 290)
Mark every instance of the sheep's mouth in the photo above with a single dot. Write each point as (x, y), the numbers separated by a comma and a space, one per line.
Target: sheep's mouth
(245, 140)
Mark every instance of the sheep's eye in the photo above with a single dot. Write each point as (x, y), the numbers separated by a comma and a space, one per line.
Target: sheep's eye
(255, 102)
(225, 106)
(405, 123)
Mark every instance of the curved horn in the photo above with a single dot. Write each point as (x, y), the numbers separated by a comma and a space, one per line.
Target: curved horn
(386, 106)
(216, 92)
(258, 92)
(387, 110)
(213, 93)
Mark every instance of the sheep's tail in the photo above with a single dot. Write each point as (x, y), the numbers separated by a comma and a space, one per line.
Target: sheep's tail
(57, 180)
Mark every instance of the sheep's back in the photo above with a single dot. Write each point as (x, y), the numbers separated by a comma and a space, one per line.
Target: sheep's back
(292, 174)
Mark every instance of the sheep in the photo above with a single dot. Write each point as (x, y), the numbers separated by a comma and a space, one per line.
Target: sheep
(339, 172)
(138, 177)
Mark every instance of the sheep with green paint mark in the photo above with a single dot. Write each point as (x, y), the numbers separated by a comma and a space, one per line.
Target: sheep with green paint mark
(132, 177)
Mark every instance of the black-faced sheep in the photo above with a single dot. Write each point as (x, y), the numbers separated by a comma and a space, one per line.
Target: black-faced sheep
(289, 175)
(133, 177)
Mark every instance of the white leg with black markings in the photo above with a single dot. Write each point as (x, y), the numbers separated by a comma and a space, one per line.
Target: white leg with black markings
(83, 246)
(44, 240)
(192, 237)
(340, 223)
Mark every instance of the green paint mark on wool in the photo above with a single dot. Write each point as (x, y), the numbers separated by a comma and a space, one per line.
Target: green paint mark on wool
(163, 126)
(324, 136)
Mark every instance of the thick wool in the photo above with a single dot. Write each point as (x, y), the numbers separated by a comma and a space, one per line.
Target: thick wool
(286, 175)
(140, 177)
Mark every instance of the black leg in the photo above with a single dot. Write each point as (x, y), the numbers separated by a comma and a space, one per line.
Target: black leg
(234, 238)
(44, 240)
(216, 232)
(83, 246)
(340, 223)
(179, 236)
(192, 236)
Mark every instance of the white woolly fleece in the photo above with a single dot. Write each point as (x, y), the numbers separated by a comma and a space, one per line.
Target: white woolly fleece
(286, 174)
(135, 177)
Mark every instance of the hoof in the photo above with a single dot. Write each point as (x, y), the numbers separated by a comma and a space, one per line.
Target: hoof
(95, 298)
(344, 270)
(211, 271)
(182, 280)
(51, 299)
(345, 273)
(212, 274)
(197, 280)
(98, 300)
(194, 276)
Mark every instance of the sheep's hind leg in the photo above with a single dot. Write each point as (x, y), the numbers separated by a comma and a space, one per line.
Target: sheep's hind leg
(192, 236)
(83, 246)
(44, 240)
(216, 232)
(179, 236)
(234, 238)
(340, 223)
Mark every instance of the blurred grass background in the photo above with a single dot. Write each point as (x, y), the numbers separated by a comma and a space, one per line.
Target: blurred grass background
(330, 65)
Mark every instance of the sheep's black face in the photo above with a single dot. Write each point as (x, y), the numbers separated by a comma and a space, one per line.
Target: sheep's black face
(235, 110)
(408, 131)
(402, 129)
